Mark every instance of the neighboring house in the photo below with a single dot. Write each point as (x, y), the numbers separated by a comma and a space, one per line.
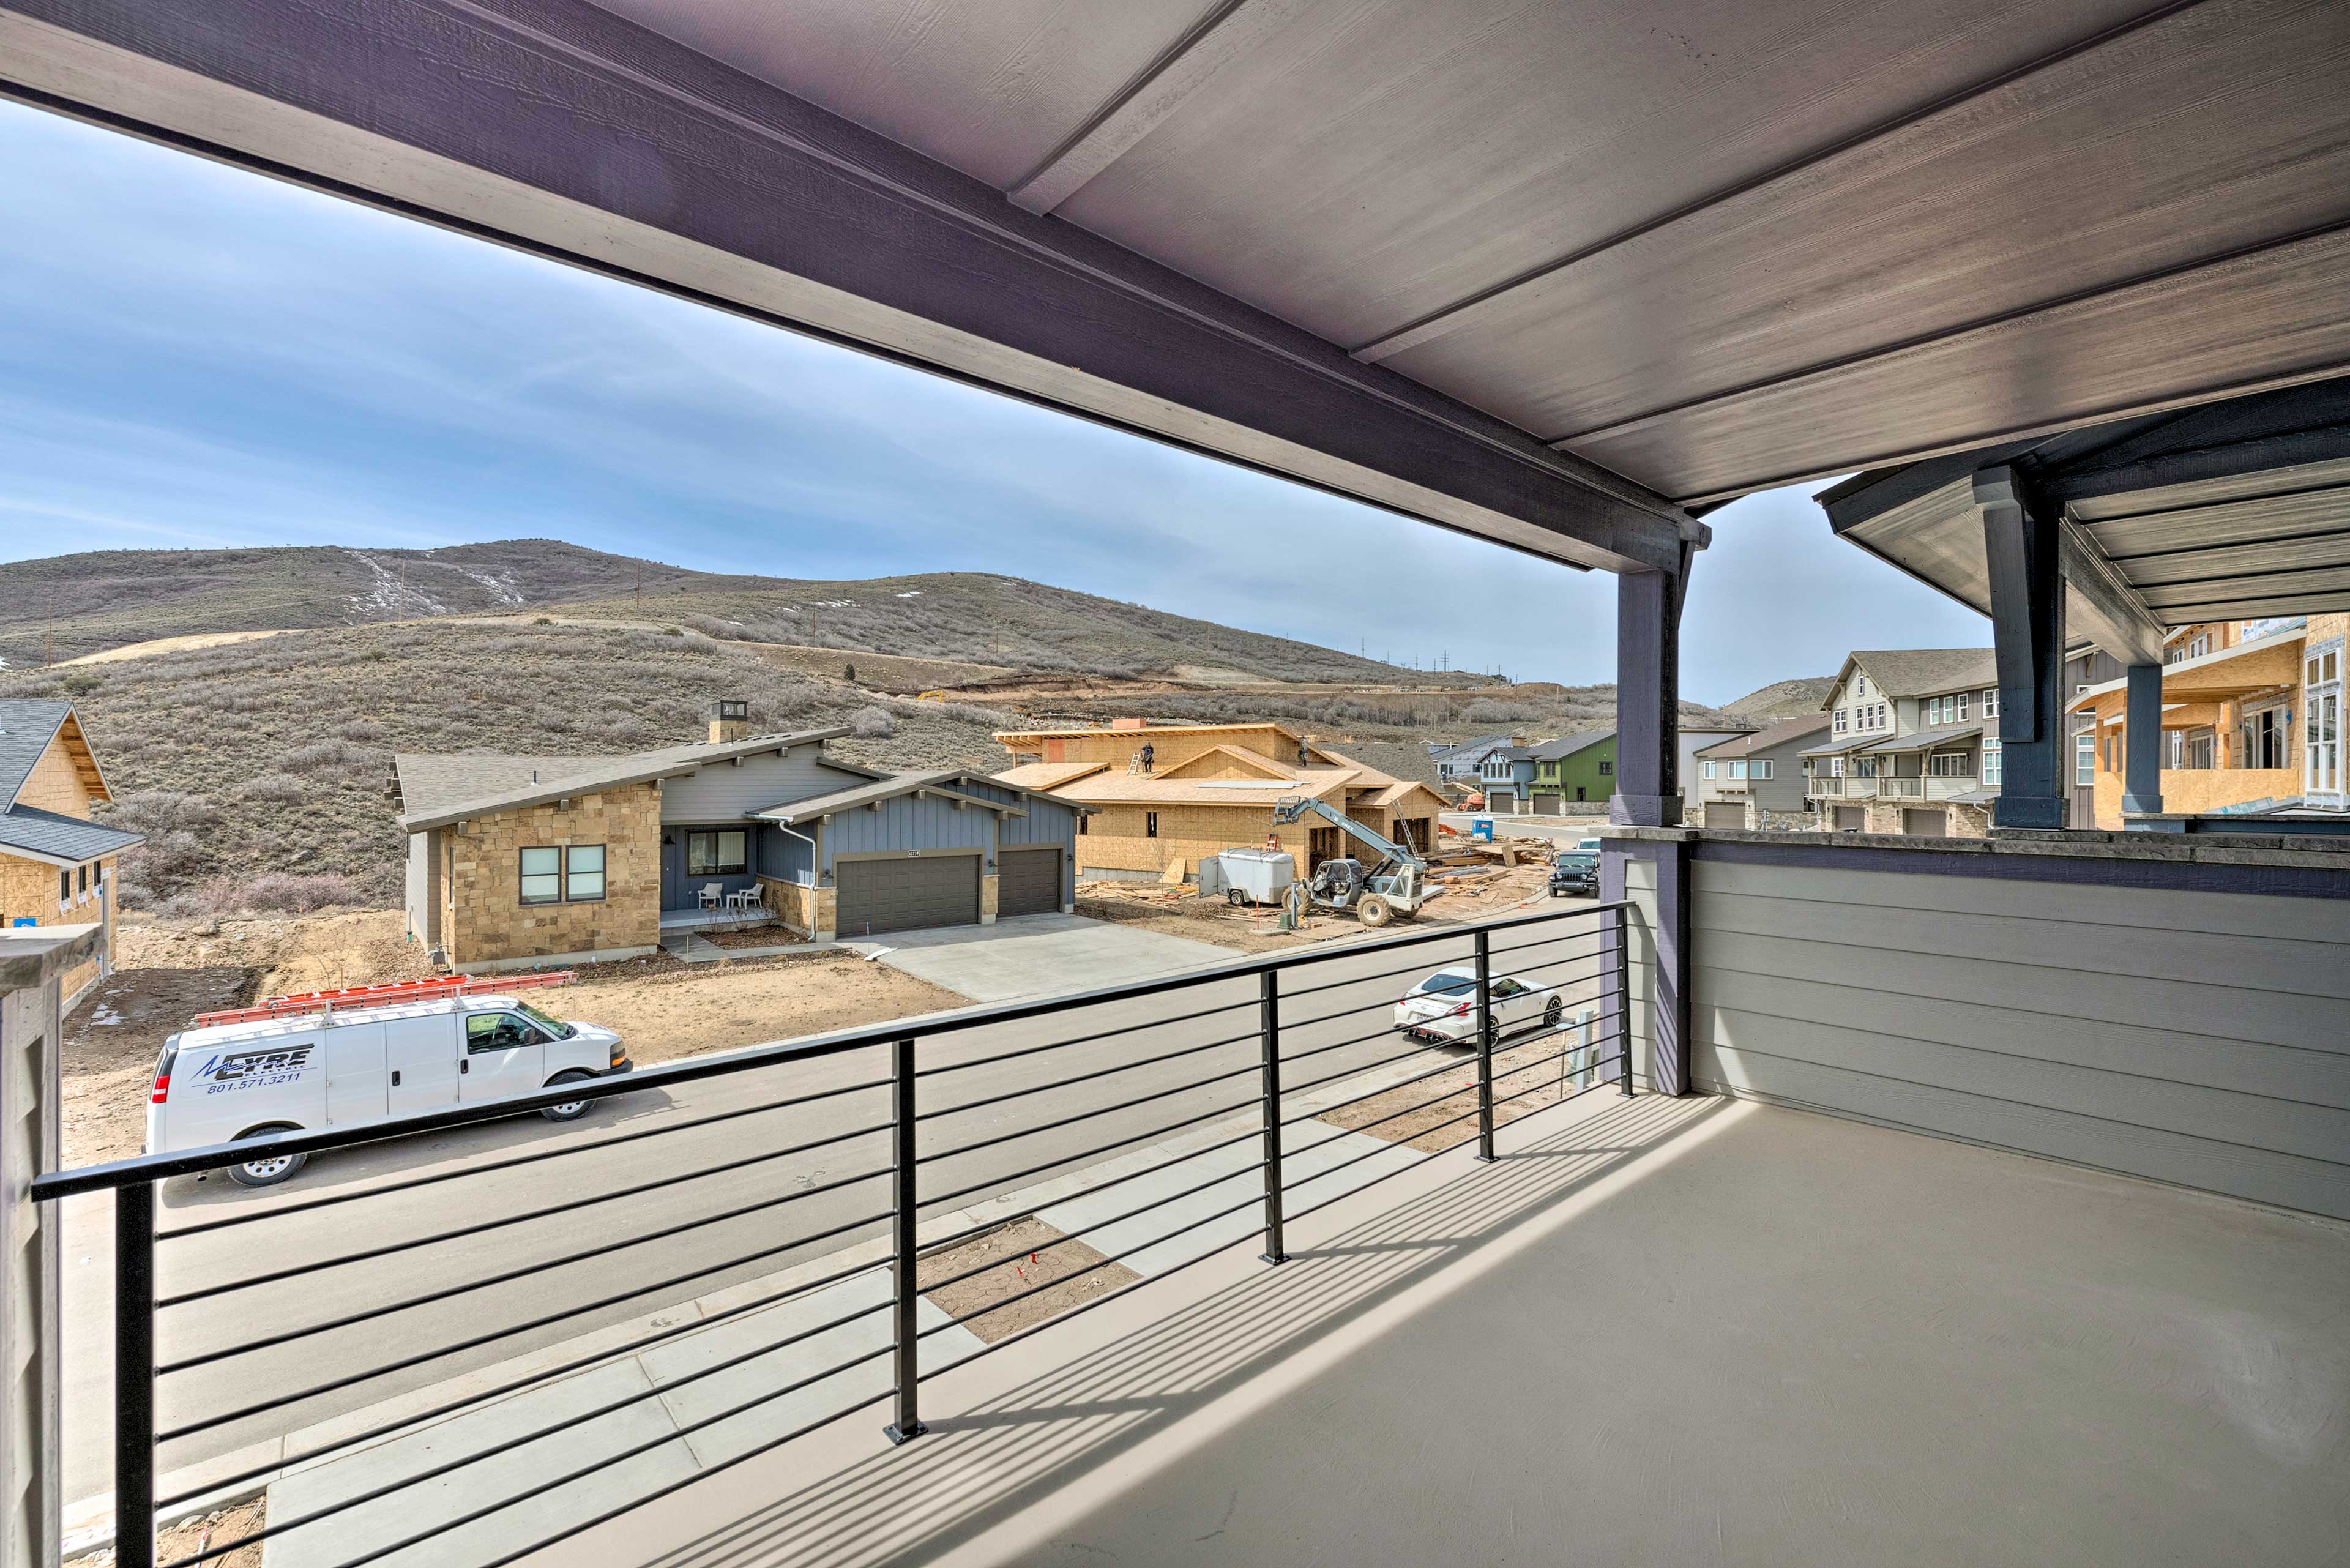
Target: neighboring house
(1578, 769)
(1506, 777)
(1756, 781)
(1212, 788)
(57, 866)
(515, 862)
(1692, 741)
(2251, 714)
(1464, 762)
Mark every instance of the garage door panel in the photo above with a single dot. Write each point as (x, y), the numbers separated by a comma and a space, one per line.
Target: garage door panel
(906, 894)
(1724, 813)
(1028, 881)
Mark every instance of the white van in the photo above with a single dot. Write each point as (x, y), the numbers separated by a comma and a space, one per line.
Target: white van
(231, 1081)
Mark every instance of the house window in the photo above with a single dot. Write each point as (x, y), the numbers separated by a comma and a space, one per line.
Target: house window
(65, 888)
(2084, 762)
(1860, 685)
(1947, 765)
(1150, 824)
(81, 881)
(1991, 758)
(1933, 709)
(583, 873)
(542, 875)
(1706, 768)
(1760, 769)
(1082, 819)
(1839, 722)
(1738, 769)
(1607, 768)
(1991, 702)
(1864, 767)
(1962, 701)
(725, 852)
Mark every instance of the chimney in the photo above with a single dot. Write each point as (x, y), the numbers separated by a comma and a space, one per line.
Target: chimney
(1129, 721)
(730, 720)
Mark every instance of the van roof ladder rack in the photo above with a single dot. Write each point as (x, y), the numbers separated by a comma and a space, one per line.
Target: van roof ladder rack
(435, 990)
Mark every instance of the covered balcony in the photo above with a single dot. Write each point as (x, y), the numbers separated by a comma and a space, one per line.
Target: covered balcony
(1861, 1200)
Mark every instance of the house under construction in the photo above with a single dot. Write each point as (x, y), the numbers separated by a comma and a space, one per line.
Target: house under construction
(1208, 788)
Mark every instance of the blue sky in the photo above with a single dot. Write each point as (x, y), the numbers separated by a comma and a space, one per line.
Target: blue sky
(197, 357)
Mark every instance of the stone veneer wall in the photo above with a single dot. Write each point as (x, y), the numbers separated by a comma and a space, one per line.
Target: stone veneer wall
(483, 919)
(808, 910)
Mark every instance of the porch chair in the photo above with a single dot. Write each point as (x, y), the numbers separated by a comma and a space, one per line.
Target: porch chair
(710, 894)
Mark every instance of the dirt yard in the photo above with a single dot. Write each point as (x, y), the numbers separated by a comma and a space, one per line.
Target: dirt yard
(289, 952)
(110, 1043)
(1028, 1253)
(183, 1540)
(1439, 1111)
(666, 1009)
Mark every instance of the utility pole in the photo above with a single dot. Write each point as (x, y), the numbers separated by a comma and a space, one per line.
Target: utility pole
(49, 647)
(401, 613)
(640, 590)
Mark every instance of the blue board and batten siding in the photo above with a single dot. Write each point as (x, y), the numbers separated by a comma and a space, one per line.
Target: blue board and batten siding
(2200, 1038)
(908, 822)
(724, 793)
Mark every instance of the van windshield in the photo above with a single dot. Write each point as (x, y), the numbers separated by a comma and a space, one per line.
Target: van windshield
(546, 1021)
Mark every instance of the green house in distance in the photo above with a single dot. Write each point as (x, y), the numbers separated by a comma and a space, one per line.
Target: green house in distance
(1580, 767)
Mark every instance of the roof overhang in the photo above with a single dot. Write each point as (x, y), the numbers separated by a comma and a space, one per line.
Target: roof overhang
(2235, 510)
(623, 774)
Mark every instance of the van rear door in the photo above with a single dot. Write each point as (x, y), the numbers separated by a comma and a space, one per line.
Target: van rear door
(420, 1054)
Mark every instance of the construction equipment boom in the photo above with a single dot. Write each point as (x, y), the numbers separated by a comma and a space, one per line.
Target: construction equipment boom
(1395, 886)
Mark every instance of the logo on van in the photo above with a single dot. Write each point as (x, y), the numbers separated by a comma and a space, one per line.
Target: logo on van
(255, 1063)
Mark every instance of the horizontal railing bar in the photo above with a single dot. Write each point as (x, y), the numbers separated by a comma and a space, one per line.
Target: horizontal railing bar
(1305, 991)
(1416, 1050)
(1466, 1064)
(670, 1436)
(1345, 1133)
(282, 1400)
(190, 1162)
(1085, 1115)
(278, 1527)
(704, 1473)
(1084, 1039)
(586, 1145)
(1127, 1066)
(958, 1238)
(1288, 1057)
(1432, 1154)
(1368, 1006)
(1058, 1161)
(1547, 942)
(389, 1248)
(1249, 1202)
(510, 1275)
(1249, 1170)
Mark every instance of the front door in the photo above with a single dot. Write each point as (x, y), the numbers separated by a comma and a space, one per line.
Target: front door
(673, 894)
(505, 1055)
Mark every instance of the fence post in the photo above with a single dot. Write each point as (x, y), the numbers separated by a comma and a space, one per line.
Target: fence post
(909, 1424)
(134, 1376)
(1485, 1046)
(1269, 1033)
(1623, 1001)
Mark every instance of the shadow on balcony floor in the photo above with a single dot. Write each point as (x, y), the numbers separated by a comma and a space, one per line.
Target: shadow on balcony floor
(1656, 1332)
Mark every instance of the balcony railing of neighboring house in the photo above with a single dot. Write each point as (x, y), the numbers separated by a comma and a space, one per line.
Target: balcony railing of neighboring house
(1825, 786)
(1943, 787)
(1901, 788)
(938, 1141)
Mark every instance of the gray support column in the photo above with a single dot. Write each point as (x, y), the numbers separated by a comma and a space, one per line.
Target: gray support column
(1647, 795)
(2023, 546)
(2142, 747)
(1647, 698)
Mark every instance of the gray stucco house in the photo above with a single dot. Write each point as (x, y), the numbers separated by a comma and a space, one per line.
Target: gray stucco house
(1756, 780)
(517, 861)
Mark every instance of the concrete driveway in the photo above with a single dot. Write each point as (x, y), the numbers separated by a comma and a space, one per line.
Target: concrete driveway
(1038, 955)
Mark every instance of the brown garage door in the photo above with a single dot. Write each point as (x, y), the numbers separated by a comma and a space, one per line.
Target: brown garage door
(1851, 818)
(1926, 822)
(1725, 814)
(1028, 881)
(1550, 805)
(904, 894)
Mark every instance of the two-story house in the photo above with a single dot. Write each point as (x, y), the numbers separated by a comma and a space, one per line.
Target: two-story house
(2251, 722)
(1462, 764)
(1574, 772)
(56, 865)
(1755, 781)
(1506, 777)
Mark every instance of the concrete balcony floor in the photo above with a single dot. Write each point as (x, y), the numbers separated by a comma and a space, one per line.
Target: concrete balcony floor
(1656, 1332)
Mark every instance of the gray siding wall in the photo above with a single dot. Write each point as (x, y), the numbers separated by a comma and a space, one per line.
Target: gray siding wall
(909, 821)
(2201, 1039)
(787, 858)
(424, 886)
(723, 791)
(1047, 822)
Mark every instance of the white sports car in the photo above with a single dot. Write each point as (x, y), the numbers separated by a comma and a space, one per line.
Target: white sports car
(1442, 1009)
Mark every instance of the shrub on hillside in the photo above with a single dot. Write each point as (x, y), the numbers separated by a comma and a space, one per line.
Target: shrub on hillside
(325, 755)
(871, 725)
(279, 789)
(271, 893)
(174, 851)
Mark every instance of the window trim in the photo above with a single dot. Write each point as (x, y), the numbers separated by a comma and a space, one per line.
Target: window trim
(524, 876)
(603, 884)
(717, 867)
(1150, 824)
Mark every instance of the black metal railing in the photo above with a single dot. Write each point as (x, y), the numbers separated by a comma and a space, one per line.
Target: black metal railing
(917, 1070)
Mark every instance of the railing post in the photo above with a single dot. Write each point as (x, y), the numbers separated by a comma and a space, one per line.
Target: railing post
(1624, 1001)
(1269, 1032)
(909, 1424)
(1485, 1046)
(134, 1376)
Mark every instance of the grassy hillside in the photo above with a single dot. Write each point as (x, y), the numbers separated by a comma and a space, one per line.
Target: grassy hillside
(272, 758)
(108, 598)
(1782, 700)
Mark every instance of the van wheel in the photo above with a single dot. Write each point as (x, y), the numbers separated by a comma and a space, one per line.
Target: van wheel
(269, 1171)
(570, 1110)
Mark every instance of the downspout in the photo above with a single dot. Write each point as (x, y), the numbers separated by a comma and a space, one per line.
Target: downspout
(814, 870)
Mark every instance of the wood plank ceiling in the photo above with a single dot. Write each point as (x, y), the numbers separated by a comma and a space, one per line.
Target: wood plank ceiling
(1709, 246)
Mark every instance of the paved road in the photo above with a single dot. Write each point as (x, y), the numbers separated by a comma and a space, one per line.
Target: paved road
(1566, 829)
(285, 1229)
